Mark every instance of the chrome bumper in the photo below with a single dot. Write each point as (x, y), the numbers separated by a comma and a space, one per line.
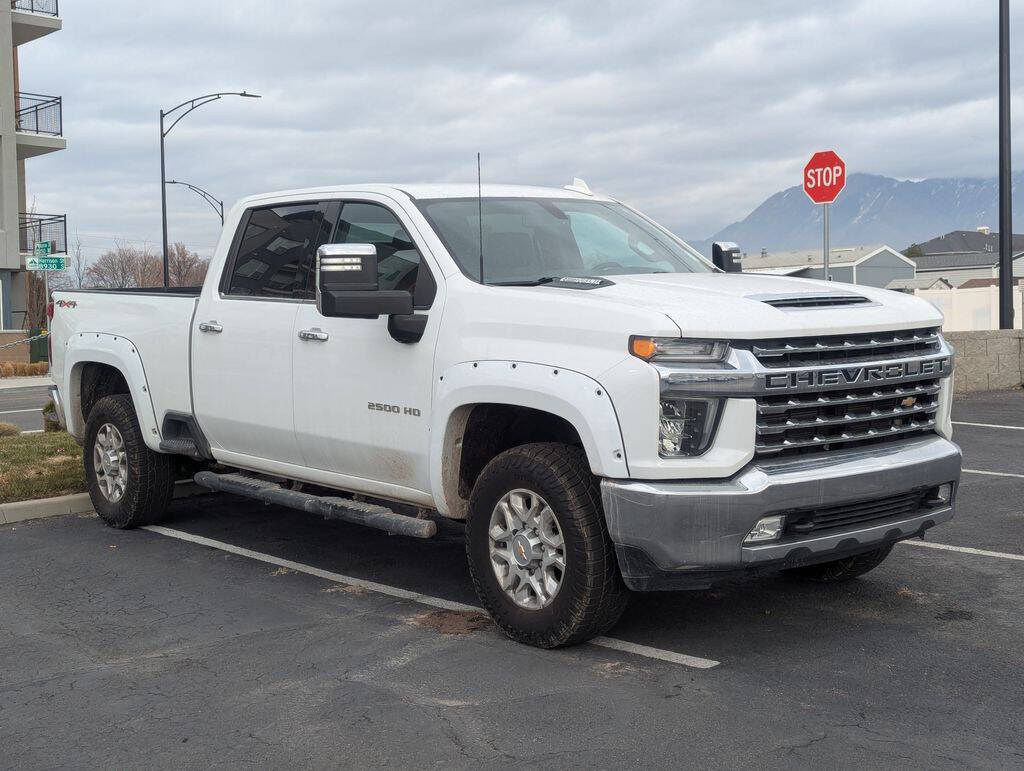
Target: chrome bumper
(673, 534)
(58, 406)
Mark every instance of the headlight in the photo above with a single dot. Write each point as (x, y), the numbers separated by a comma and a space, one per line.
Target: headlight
(686, 426)
(677, 349)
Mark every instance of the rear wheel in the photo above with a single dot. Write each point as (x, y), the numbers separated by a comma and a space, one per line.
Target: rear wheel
(841, 570)
(539, 553)
(129, 484)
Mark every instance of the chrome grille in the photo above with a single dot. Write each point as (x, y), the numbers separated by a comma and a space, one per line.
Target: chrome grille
(842, 349)
(831, 420)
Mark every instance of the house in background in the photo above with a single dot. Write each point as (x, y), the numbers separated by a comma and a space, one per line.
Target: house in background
(910, 285)
(866, 265)
(962, 255)
(31, 125)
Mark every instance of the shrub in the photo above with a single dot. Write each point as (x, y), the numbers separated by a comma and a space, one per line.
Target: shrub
(7, 369)
(9, 429)
(40, 368)
(50, 422)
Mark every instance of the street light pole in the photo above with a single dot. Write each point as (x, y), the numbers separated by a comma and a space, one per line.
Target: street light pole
(163, 201)
(1005, 182)
(191, 104)
(216, 203)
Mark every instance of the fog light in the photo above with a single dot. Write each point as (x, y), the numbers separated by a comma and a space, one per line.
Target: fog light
(766, 529)
(942, 496)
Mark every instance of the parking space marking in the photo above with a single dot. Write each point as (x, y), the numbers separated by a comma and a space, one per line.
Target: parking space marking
(14, 412)
(423, 599)
(992, 473)
(986, 425)
(966, 550)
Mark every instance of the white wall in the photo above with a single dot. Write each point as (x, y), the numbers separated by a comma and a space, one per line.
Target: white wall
(966, 310)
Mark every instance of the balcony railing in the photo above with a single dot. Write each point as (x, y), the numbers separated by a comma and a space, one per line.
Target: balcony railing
(39, 114)
(39, 228)
(45, 7)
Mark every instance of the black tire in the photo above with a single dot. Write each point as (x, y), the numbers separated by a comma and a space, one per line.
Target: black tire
(591, 597)
(150, 479)
(841, 570)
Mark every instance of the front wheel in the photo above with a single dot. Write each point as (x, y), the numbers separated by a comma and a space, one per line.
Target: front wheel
(538, 548)
(129, 484)
(843, 569)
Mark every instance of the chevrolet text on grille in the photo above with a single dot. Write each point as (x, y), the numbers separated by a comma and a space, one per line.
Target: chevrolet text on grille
(856, 375)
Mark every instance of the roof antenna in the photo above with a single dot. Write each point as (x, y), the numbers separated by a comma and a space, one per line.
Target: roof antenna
(480, 215)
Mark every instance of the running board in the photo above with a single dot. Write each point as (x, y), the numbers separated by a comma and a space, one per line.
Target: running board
(345, 509)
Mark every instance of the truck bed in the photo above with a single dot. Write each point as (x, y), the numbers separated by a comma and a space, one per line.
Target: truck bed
(95, 325)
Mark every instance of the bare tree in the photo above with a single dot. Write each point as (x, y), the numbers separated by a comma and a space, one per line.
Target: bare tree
(73, 276)
(185, 268)
(124, 267)
(35, 300)
(77, 266)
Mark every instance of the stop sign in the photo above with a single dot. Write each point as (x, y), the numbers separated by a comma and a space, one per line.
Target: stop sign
(824, 177)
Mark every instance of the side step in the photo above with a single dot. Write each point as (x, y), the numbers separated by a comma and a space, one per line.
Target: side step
(181, 446)
(357, 512)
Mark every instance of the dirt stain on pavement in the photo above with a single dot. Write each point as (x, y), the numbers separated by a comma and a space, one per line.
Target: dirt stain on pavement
(346, 588)
(453, 621)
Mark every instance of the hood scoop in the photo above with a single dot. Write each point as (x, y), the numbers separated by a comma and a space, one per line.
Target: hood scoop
(805, 301)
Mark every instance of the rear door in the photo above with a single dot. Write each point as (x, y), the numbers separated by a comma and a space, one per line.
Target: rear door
(243, 330)
(362, 399)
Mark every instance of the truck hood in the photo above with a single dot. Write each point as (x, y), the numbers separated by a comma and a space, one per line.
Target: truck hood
(736, 305)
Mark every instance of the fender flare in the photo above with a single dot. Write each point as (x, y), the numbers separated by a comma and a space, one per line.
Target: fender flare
(577, 398)
(116, 351)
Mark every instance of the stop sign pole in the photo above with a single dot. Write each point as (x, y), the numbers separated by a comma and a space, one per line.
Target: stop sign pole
(824, 179)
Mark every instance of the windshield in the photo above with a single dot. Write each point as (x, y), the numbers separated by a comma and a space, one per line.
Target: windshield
(527, 240)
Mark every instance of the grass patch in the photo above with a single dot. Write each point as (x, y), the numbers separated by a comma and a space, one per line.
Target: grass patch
(39, 466)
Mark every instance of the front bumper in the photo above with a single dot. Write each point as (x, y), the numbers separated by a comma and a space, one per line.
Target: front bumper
(674, 535)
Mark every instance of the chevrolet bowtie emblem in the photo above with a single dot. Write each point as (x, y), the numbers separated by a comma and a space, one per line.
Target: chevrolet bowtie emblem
(910, 401)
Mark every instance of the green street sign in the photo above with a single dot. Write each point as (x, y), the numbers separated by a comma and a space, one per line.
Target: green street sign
(42, 248)
(45, 263)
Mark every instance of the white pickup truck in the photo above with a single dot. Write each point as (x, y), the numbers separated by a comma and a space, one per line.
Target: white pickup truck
(607, 410)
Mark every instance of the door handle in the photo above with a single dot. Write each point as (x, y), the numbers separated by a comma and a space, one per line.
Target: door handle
(210, 326)
(315, 333)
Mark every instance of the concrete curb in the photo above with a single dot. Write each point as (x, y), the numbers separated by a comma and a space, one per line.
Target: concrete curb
(79, 503)
(21, 511)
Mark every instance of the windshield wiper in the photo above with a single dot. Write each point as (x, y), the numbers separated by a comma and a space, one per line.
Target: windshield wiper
(526, 282)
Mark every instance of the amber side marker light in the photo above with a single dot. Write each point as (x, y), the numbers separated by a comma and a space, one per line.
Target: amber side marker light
(642, 347)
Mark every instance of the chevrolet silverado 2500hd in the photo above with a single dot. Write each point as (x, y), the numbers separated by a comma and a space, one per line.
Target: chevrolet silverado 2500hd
(607, 410)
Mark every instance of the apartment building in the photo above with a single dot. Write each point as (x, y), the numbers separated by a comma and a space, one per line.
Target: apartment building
(31, 124)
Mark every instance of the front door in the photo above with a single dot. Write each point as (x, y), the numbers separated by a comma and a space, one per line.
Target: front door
(243, 331)
(362, 399)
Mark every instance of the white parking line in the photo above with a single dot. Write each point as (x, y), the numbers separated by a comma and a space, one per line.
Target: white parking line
(966, 550)
(991, 473)
(14, 412)
(986, 425)
(423, 599)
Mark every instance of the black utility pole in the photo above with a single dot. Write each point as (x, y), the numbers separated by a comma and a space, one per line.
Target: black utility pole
(1005, 213)
(191, 104)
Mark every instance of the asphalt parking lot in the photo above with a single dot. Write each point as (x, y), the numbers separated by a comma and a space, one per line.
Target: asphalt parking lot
(242, 634)
(23, 406)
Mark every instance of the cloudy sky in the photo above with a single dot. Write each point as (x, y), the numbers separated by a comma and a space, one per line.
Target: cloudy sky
(694, 111)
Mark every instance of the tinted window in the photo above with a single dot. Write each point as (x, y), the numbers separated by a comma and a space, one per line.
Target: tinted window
(398, 259)
(275, 256)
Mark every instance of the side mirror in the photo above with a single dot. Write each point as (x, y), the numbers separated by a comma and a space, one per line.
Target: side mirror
(726, 256)
(346, 284)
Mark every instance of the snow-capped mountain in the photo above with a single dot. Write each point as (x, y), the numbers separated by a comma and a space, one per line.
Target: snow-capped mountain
(871, 210)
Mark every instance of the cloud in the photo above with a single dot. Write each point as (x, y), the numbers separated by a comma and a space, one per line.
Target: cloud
(693, 111)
